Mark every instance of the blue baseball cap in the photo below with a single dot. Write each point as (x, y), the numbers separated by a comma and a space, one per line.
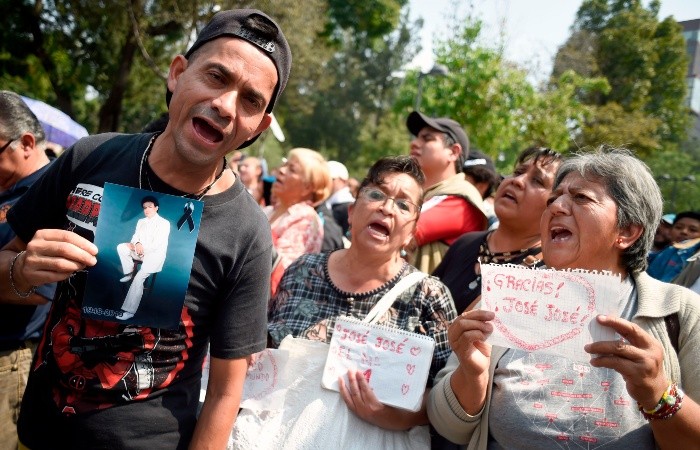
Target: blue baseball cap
(668, 218)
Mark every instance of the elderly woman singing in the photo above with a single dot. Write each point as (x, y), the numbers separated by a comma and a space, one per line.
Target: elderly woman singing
(637, 392)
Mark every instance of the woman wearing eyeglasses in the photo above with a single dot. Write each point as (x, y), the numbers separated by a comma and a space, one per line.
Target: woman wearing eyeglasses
(317, 288)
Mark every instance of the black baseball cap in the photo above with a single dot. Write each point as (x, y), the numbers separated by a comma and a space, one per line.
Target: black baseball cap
(477, 158)
(259, 29)
(417, 121)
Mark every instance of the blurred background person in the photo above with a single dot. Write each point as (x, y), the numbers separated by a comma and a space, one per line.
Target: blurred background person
(301, 183)
(479, 170)
(519, 202)
(333, 237)
(685, 237)
(662, 238)
(354, 186)
(316, 289)
(236, 157)
(602, 215)
(690, 275)
(452, 205)
(22, 162)
(250, 171)
(341, 197)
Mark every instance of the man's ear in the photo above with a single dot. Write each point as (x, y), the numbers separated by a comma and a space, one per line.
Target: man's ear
(456, 151)
(264, 124)
(177, 67)
(28, 143)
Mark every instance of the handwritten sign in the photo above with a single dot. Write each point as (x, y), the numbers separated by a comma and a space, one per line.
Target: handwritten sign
(395, 363)
(547, 310)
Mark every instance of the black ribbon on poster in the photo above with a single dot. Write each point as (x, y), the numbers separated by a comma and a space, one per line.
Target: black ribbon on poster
(187, 217)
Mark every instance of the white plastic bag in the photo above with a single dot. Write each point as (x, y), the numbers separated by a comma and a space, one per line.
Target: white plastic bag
(309, 416)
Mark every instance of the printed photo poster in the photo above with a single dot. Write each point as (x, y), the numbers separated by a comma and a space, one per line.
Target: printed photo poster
(548, 311)
(146, 243)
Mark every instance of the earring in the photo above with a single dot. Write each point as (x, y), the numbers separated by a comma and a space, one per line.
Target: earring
(403, 253)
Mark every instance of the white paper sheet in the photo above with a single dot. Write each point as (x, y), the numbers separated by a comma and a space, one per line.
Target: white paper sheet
(547, 310)
(396, 363)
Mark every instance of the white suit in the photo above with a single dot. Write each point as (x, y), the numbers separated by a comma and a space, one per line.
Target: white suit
(152, 233)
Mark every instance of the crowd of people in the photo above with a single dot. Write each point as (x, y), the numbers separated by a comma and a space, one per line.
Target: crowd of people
(282, 254)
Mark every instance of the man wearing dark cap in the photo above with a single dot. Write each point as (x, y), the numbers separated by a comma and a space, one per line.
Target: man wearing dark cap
(481, 173)
(452, 206)
(106, 384)
(479, 170)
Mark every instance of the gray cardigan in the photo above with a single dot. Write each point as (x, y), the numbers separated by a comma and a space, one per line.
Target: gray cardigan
(656, 301)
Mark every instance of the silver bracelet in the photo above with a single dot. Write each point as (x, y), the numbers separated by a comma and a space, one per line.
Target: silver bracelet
(12, 279)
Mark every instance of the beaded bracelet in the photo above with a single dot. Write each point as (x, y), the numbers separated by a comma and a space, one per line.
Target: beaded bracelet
(12, 279)
(667, 407)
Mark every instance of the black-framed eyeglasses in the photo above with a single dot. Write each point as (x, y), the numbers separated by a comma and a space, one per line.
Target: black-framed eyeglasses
(403, 206)
(2, 149)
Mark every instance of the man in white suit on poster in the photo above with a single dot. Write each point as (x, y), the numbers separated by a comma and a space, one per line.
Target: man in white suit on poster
(148, 247)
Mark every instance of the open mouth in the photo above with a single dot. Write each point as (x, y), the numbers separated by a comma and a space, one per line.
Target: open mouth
(510, 196)
(207, 131)
(559, 234)
(379, 230)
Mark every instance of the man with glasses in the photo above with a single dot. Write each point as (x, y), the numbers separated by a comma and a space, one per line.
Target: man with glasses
(22, 161)
(451, 206)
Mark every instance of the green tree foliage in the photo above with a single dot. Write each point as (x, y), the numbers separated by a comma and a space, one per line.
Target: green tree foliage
(492, 98)
(80, 47)
(105, 63)
(644, 62)
(482, 91)
(677, 174)
(556, 115)
(373, 18)
(347, 119)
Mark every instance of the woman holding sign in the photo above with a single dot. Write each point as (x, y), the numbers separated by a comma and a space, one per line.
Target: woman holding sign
(639, 391)
(318, 289)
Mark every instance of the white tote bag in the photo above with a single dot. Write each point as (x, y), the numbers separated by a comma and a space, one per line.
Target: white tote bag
(285, 406)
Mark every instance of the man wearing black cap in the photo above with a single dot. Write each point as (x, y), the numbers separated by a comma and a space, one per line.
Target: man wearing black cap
(481, 173)
(106, 384)
(452, 206)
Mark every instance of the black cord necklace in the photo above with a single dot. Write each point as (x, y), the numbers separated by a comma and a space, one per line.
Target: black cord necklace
(144, 161)
(525, 257)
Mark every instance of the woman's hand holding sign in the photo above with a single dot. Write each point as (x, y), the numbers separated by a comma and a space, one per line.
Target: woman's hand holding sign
(638, 357)
(467, 335)
(362, 401)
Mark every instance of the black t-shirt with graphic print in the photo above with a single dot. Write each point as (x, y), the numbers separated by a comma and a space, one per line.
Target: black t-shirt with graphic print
(100, 384)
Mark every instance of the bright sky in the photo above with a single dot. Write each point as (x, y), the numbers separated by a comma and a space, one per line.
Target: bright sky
(534, 29)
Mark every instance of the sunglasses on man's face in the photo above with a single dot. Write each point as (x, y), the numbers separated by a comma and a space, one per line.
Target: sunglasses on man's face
(2, 149)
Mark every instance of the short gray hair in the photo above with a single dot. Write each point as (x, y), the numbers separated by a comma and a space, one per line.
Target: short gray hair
(629, 182)
(16, 118)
